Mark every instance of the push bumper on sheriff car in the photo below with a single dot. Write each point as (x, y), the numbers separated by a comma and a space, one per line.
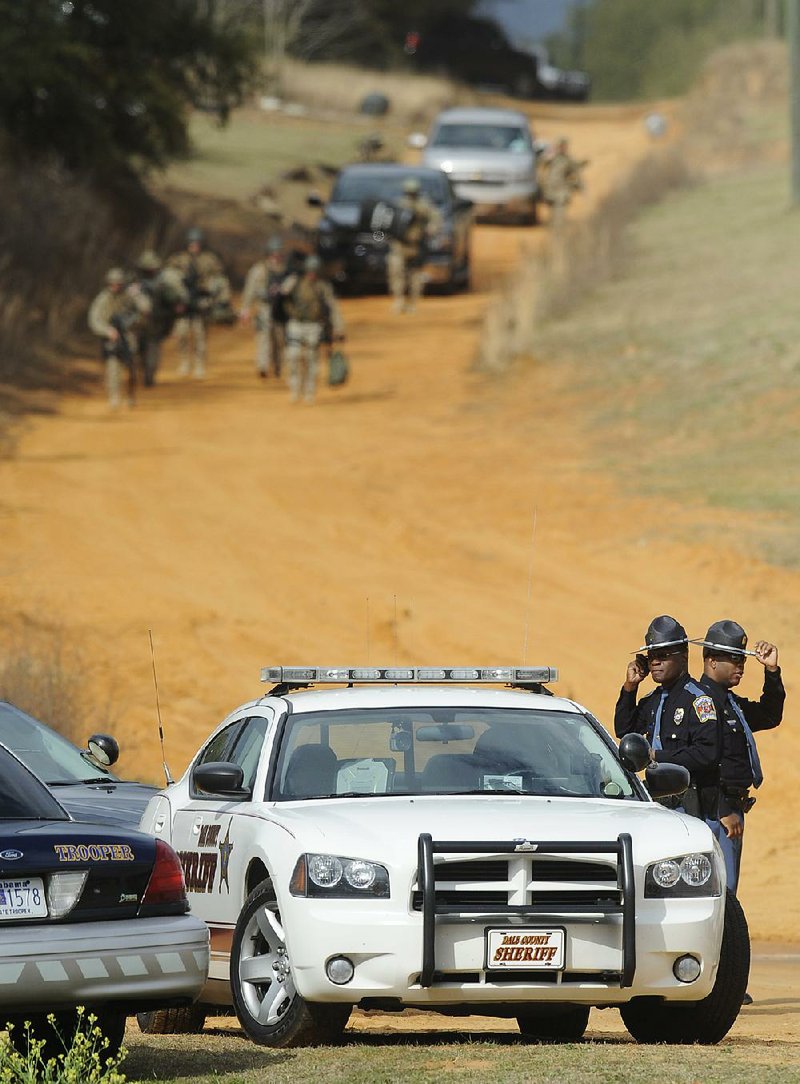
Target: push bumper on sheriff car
(437, 955)
(141, 964)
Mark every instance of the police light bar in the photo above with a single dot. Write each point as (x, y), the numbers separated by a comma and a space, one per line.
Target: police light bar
(415, 675)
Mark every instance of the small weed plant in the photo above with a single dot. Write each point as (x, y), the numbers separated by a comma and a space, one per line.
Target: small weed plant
(25, 1058)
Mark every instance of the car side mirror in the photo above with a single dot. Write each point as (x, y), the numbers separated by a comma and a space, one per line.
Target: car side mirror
(314, 199)
(464, 204)
(666, 780)
(219, 777)
(103, 749)
(418, 141)
(634, 752)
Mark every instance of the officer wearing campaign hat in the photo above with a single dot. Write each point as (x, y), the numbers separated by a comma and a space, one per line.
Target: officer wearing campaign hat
(725, 653)
(679, 718)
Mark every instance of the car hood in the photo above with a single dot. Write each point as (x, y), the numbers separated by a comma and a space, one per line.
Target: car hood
(379, 827)
(468, 160)
(119, 804)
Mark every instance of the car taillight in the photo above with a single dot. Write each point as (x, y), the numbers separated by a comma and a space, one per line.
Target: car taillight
(166, 889)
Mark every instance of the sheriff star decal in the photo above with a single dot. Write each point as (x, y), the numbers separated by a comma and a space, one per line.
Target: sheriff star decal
(225, 848)
(704, 708)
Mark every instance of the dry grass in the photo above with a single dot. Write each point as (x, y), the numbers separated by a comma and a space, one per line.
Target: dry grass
(49, 678)
(729, 120)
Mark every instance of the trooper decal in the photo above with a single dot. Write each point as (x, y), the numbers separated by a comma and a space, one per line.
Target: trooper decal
(94, 852)
(225, 849)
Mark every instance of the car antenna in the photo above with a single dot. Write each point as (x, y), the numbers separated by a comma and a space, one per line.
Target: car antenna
(530, 592)
(167, 772)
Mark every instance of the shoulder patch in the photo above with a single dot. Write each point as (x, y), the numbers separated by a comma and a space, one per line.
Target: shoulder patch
(704, 708)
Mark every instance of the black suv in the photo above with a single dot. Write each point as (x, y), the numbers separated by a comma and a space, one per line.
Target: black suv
(354, 251)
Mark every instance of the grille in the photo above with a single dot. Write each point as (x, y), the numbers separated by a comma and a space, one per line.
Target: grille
(523, 880)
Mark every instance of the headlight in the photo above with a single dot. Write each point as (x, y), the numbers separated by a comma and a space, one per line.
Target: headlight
(329, 875)
(687, 875)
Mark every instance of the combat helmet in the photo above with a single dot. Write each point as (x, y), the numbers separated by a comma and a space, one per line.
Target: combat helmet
(664, 631)
(725, 638)
(195, 236)
(411, 186)
(312, 263)
(149, 261)
(115, 277)
(274, 245)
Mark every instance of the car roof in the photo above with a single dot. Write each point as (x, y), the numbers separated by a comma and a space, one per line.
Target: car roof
(423, 696)
(465, 115)
(390, 169)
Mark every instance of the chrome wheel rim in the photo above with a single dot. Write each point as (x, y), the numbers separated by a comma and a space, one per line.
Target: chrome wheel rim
(265, 975)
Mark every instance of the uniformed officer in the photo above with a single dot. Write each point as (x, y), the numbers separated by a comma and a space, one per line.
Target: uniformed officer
(206, 284)
(261, 289)
(724, 656)
(679, 718)
(313, 317)
(417, 219)
(115, 316)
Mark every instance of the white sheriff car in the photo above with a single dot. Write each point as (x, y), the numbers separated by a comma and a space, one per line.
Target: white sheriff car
(420, 839)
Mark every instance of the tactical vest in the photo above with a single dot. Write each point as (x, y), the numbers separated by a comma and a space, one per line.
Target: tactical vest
(307, 303)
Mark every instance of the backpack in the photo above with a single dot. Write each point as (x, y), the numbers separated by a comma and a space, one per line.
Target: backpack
(338, 369)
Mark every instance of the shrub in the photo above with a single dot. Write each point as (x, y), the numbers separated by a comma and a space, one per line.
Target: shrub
(25, 1058)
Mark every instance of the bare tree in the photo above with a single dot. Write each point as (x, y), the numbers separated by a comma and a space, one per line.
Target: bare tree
(304, 28)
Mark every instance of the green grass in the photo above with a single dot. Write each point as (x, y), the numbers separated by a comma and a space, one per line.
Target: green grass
(256, 147)
(224, 1057)
(690, 359)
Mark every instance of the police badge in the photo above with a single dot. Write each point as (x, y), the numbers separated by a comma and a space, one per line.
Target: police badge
(678, 719)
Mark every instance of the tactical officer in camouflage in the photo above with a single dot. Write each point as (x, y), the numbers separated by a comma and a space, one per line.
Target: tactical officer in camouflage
(165, 290)
(313, 316)
(205, 283)
(679, 718)
(561, 178)
(261, 291)
(417, 219)
(115, 316)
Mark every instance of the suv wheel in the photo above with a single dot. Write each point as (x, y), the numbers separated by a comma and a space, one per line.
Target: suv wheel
(650, 1020)
(269, 1008)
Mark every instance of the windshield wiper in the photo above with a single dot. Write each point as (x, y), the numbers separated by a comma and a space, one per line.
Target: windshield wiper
(74, 782)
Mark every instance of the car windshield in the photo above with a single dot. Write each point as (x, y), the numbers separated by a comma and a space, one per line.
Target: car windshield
(22, 796)
(361, 187)
(53, 758)
(446, 751)
(487, 137)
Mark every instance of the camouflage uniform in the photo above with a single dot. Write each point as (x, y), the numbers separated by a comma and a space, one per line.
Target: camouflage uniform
(312, 315)
(206, 285)
(165, 290)
(405, 262)
(261, 288)
(115, 315)
(561, 178)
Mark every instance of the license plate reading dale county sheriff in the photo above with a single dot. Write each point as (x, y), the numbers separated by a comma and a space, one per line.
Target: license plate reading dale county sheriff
(526, 948)
(22, 897)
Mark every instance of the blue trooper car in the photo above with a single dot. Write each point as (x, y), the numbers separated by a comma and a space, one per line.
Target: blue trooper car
(80, 779)
(90, 915)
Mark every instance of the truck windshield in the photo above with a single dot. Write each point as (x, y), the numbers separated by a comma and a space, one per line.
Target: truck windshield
(360, 187)
(488, 137)
(446, 751)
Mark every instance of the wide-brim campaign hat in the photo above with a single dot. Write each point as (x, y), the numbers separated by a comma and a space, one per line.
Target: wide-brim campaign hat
(726, 637)
(663, 631)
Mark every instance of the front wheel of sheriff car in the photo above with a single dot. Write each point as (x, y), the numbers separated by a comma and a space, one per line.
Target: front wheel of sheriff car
(553, 1023)
(269, 1008)
(188, 1020)
(650, 1020)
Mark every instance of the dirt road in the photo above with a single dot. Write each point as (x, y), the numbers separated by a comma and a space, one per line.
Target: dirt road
(243, 530)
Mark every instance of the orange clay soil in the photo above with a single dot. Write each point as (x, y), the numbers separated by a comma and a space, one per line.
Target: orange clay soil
(244, 531)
